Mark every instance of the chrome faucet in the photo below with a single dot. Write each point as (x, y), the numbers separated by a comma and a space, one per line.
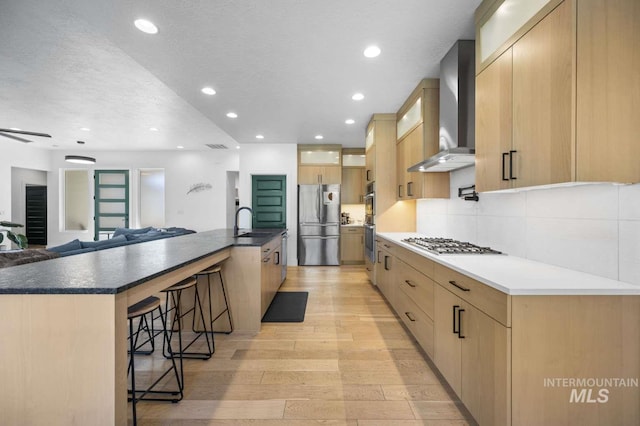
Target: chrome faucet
(235, 226)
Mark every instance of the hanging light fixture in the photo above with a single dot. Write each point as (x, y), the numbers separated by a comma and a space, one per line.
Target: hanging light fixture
(79, 159)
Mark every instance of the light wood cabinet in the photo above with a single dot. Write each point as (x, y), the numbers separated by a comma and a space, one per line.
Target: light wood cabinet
(417, 139)
(319, 164)
(353, 185)
(574, 82)
(270, 272)
(496, 350)
(352, 245)
(319, 175)
(390, 215)
(370, 153)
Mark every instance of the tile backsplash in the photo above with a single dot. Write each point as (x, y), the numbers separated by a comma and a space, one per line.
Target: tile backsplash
(593, 228)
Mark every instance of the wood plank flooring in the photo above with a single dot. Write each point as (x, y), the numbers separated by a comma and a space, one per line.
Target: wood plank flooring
(351, 362)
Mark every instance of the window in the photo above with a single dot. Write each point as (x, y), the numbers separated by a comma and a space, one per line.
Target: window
(151, 198)
(76, 200)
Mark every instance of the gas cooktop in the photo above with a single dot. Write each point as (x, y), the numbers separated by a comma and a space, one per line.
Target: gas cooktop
(448, 246)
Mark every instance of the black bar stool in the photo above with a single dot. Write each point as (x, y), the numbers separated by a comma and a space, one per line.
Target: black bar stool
(174, 295)
(217, 269)
(140, 310)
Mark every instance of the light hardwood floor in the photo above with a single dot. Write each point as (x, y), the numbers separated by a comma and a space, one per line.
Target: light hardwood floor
(351, 362)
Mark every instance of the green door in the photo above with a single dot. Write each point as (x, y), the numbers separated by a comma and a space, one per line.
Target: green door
(111, 201)
(269, 201)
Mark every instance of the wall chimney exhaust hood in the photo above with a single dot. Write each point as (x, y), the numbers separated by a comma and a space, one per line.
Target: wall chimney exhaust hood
(457, 111)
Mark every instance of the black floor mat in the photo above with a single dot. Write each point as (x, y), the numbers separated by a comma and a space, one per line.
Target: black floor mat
(287, 306)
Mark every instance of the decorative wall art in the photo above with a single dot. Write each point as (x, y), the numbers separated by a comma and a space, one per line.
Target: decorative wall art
(199, 187)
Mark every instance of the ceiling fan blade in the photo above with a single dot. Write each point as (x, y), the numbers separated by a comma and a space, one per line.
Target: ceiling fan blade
(24, 132)
(15, 137)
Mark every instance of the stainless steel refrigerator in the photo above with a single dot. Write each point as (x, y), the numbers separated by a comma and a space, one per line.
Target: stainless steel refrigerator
(318, 225)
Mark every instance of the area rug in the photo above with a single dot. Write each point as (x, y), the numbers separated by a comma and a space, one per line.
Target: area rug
(287, 306)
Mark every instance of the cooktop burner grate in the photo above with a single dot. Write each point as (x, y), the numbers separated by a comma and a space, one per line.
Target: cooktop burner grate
(448, 246)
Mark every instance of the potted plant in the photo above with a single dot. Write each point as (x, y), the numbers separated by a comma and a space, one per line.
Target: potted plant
(19, 239)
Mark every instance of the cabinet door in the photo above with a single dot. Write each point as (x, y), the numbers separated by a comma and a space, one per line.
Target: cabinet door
(370, 168)
(447, 343)
(351, 246)
(486, 356)
(414, 153)
(309, 175)
(542, 97)
(608, 87)
(493, 124)
(331, 175)
(352, 185)
(401, 182)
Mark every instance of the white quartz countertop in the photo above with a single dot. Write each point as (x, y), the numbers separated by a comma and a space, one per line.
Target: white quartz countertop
(519, 276)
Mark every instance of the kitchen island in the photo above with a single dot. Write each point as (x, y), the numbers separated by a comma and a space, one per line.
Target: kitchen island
(63, 343)
(520, 342)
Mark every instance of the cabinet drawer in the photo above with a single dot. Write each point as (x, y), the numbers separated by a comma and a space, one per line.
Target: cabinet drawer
(420, 325)
(416, 261)
(418, 287)
(352, 230)
(267, 248)
(492, 302)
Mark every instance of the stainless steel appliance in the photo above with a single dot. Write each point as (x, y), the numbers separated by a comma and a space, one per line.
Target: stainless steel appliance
(318, 225)
(448, 246)
(369, 222)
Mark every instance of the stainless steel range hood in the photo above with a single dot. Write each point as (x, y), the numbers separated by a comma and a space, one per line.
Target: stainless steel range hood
(457, 111)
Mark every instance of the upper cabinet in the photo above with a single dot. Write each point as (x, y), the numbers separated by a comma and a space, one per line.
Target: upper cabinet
(555, 102)
(319, 164)
(370, 148)
(417, 129)
(353, 176)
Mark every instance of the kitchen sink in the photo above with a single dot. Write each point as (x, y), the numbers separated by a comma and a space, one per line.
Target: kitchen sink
(254, 235)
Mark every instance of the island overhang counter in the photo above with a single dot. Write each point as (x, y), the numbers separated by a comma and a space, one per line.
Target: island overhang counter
(63, 343)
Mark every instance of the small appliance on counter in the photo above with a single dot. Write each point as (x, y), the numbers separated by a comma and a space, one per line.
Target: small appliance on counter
(345, 219)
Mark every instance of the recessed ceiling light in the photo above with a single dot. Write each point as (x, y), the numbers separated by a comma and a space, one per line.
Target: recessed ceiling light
(80, 142)
(259, 136)
(208, 91)
(153, 129)
(232, 115)
(349, 121)
(371, 51)
(319, 137)
(180, 147)
(85, 129)
(358, 97)
(238, 147)
(146, 26)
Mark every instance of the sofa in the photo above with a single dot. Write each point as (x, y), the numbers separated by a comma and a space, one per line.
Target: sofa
(120, 237)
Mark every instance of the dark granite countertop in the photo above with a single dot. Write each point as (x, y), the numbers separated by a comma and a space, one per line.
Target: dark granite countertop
(117, 269)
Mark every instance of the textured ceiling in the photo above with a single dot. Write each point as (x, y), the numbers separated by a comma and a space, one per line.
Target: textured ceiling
(288, 68)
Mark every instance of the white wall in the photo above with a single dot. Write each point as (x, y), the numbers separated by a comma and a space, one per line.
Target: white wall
(17, 154)
(592, 228)
(20, 178)
(199, 211)
(271, 159)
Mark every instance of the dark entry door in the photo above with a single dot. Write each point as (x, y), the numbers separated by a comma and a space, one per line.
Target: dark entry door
(36, 214)
(269, 201)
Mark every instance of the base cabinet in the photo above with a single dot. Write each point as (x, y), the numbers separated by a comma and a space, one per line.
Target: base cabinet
(352, 245)
(512, 359)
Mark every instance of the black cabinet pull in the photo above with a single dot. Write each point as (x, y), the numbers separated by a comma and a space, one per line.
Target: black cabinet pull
(410, 284)
(378, 258)
(410, 316)
(409, 189)
(460, 311)
(266, 260)
(368, 178)
(386, 246)
(453, 283)
(386, 263)
(504, 171)
(511, 176)
(276, 259)
(399, 191)
(454, 319)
